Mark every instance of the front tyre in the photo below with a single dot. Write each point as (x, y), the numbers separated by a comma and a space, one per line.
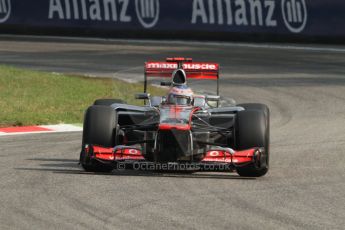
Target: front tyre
(108, 102)
(252, 130)
(91, 165)
(99, 129)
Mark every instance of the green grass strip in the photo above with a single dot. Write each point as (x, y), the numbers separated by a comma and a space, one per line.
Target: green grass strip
(34, 97)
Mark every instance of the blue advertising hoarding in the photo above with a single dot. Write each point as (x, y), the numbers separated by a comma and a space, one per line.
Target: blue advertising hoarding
(281, 17)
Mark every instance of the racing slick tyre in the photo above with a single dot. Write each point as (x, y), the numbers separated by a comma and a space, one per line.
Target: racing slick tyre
(99, 129)
(252, 130)
(256, 106)
(108, 102)
(265, 109)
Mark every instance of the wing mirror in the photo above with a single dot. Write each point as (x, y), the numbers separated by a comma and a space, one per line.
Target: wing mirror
(142, 96)
(212, 98)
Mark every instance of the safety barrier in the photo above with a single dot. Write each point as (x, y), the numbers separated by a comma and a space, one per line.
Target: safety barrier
(197, 19)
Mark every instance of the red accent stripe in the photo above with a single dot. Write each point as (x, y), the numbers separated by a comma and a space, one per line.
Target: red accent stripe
(174, 126)
(245, 156)
(194, 70)
(238, 158)
(206, 76)
(121, 154)
(24, 129)
(102, 150)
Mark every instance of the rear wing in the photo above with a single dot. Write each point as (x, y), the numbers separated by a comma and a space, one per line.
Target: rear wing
(194, 70)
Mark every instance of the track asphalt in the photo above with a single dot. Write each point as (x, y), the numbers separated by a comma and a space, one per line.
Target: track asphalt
(42, 186)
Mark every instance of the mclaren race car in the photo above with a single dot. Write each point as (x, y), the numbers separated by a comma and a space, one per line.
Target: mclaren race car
(180, 128)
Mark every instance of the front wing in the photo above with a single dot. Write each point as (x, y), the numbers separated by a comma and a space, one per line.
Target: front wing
(220, 156)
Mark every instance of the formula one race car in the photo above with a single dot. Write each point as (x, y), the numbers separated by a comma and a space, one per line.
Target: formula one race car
(181, 128)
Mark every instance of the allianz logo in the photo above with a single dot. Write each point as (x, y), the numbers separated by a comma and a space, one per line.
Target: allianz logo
(263, 13)
(147, 11)
(295, 14)
(5, 10)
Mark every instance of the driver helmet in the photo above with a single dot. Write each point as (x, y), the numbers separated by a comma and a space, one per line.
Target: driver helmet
(180, 95)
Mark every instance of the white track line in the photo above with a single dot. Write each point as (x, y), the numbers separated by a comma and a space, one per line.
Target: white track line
(62, 128)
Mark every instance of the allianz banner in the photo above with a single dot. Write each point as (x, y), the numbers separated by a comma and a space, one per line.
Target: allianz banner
(304, 17)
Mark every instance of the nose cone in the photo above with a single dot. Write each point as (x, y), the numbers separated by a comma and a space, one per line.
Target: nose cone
(179, 77)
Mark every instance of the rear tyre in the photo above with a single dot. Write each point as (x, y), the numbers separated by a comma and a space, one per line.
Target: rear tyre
(99, 129)
(108, 102)
(252, 130)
